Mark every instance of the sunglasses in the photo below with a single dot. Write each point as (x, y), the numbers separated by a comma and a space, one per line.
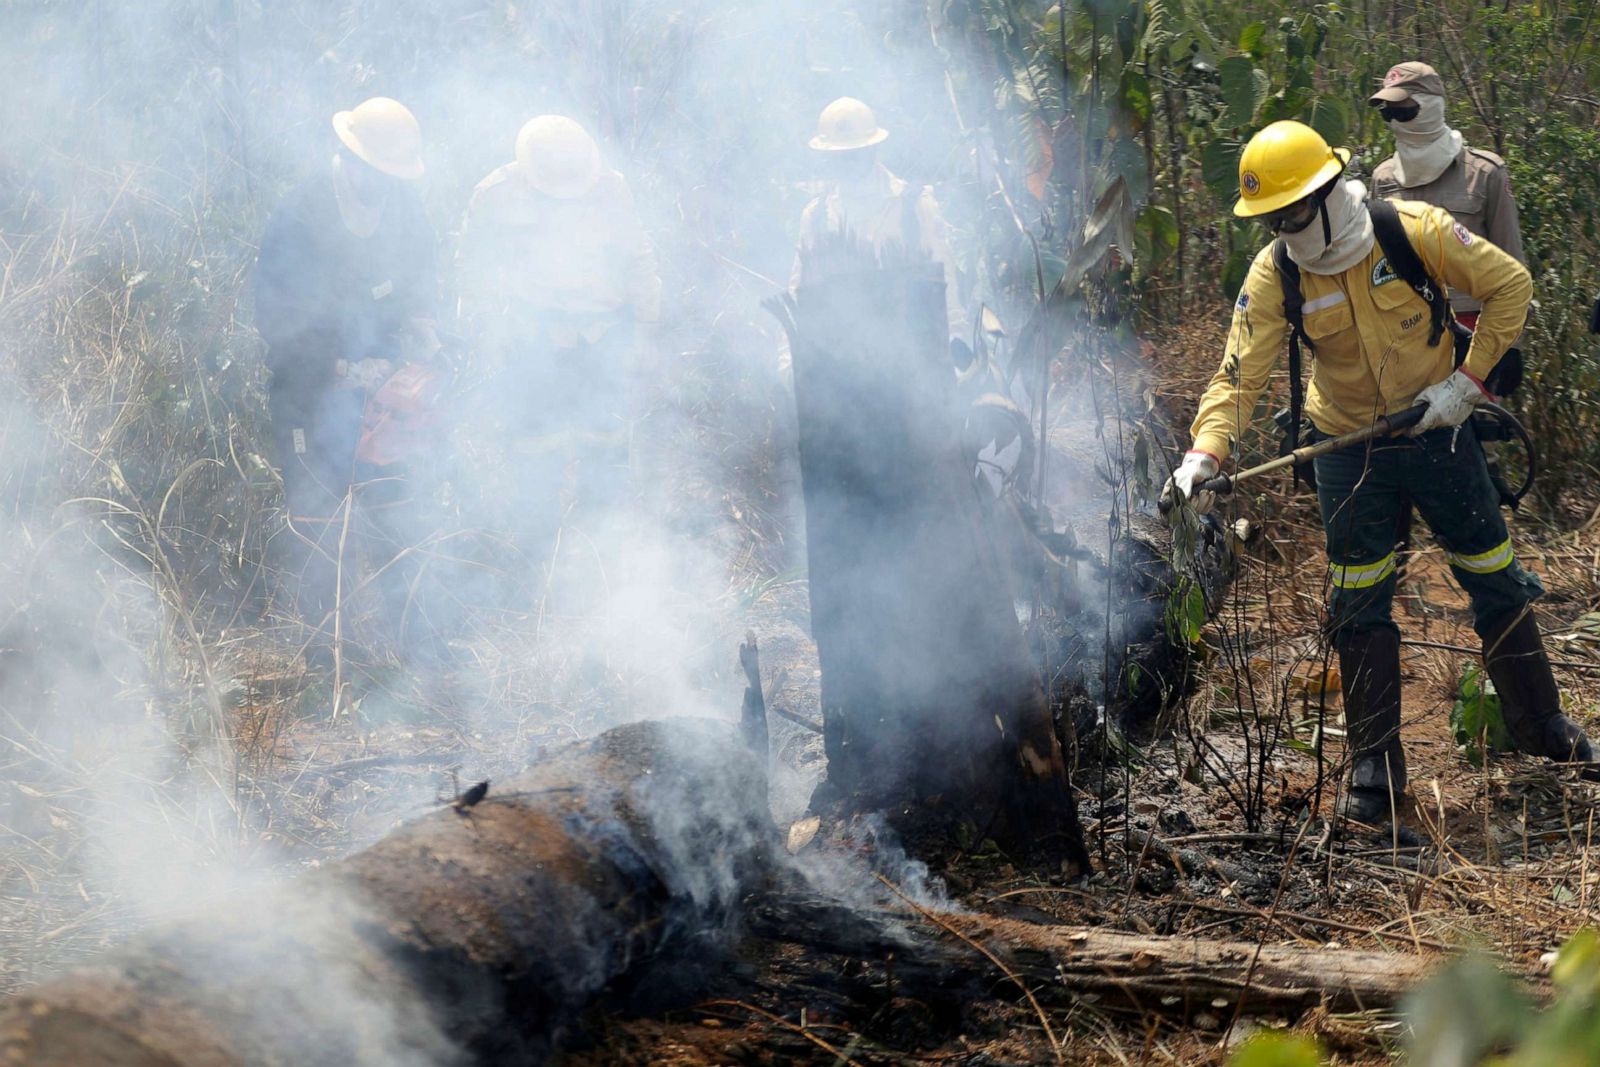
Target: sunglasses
(1399, 112)
(1292, 219)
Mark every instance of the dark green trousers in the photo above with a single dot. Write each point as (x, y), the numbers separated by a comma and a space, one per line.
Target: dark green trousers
(1361, 492)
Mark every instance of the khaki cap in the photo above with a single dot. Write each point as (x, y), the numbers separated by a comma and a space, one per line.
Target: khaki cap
(1404, 81)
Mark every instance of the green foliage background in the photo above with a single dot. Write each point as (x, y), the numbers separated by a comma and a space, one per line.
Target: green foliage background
(1168, 91)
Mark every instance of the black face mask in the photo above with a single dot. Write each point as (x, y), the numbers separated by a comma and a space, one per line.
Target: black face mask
(1404, 112)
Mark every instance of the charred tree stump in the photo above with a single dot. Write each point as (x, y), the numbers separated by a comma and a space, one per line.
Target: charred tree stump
(928, 691)
(753, 712)
(472, 935)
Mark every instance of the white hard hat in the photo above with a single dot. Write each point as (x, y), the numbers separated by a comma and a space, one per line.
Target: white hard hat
(558, 157)
(384, 134)
(845, 125)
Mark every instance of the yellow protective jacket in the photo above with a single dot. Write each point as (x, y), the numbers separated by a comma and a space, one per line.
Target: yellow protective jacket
(1370, 330)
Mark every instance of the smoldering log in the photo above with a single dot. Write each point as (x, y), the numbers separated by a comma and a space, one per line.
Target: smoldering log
(463, 937)
(928, 690)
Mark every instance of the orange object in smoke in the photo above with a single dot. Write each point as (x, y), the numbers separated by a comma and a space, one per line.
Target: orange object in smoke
(402, 417)
(1312, 679)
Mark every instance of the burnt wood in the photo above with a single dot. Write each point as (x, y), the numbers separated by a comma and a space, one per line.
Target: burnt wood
(470, 937)
(932, 706)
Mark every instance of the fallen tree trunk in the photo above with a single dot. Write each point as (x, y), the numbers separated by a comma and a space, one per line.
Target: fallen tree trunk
(472, 935)
(1187, 976)
(957, 959)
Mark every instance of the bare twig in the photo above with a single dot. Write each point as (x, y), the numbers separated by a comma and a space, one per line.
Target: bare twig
(1044, 1021)
(803, 1031)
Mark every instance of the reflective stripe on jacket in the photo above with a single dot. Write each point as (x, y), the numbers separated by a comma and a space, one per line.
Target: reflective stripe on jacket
(1369, 328)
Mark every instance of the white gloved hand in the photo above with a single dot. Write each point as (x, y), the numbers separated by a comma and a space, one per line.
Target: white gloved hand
(369, 374)
(1449, 402)
(1195, 468)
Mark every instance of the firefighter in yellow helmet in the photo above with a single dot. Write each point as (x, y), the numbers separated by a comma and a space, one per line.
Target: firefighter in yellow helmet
(1377, 352)
(346, 288)
(558, 280)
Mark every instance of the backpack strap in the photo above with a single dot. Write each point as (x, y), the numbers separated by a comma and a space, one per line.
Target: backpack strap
(1408, 266)
(1300, 341)
(1294, 314)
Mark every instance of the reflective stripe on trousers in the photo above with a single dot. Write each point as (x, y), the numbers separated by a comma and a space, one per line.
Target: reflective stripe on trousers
(1360, 491)
(1361, 576)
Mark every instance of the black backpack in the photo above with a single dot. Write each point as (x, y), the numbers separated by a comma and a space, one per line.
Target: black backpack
(1408, 266)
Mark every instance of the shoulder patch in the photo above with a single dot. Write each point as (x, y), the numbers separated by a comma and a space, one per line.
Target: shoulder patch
(1382, 273)
(1463, 234)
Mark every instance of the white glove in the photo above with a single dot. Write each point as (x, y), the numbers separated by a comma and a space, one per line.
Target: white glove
(368, 374)
(1449, 402)
(1195, 468)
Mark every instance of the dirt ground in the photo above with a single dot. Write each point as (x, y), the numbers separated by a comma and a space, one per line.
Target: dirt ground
(1216, 828)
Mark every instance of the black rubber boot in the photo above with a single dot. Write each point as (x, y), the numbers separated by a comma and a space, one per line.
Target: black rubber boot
(1530, 702)
(1369, 668)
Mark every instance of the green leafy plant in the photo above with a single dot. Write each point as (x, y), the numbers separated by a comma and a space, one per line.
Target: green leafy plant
(1186, 612)
(1475, 717)
(1473, 1013)
(1271, 1049)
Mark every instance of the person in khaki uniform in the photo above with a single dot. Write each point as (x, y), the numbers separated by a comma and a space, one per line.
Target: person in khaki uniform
(864, 198)
(557, 279)
(861, 197)
(1434, 165)
(1374, 356)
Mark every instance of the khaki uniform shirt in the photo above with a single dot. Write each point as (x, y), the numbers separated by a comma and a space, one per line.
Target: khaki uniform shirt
(1370, 330)
(1475, 189)
(574, 267)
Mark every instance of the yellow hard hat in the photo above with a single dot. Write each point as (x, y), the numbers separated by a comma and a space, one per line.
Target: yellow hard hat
(1285, 162)
(557, 156)
(384, 134)
(845, 125)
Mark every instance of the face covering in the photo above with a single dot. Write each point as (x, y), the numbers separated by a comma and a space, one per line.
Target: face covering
(360, 206)
(1425, 146)
(1339, 237)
